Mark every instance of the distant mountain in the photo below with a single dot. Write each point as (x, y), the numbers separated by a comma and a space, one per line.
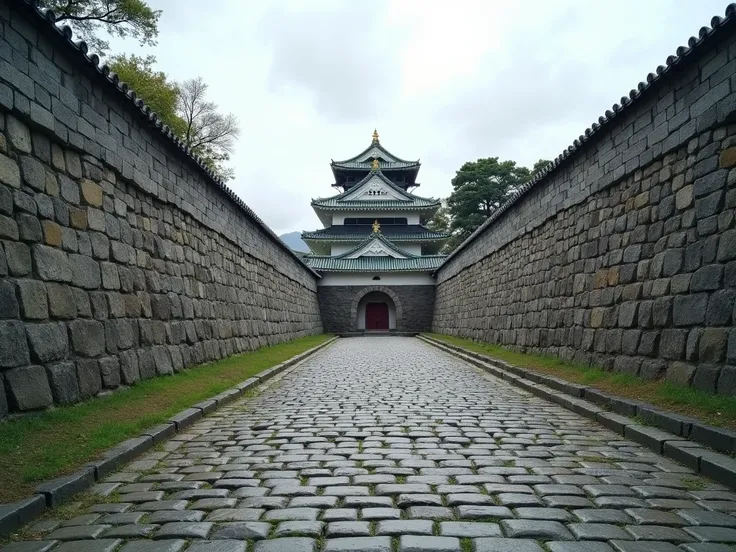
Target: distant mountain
(294, 240)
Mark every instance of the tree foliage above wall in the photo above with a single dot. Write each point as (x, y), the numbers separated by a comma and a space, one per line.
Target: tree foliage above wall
(479, 188)
(119, 18)
(183, 106)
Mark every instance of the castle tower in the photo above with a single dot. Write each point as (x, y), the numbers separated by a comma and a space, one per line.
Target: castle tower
(375, 254)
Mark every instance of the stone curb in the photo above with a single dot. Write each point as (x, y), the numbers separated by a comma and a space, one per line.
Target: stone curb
(676, 437)
(54, 492)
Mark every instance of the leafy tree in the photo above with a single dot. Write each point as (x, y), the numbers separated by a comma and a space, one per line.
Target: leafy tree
(122, 18)
(208, 132)
(479, 188)
(161, 94)
(539, 165)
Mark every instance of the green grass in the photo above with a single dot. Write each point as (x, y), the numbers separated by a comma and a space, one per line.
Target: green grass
(717, 410)
(41, 446)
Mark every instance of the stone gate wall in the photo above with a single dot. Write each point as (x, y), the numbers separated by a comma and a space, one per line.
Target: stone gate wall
(414, 306)
(121, 257)
(624, 254)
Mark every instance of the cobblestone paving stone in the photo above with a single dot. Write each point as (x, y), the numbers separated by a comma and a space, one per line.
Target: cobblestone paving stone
(387, 444)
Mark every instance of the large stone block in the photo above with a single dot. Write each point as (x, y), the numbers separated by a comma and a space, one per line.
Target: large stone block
(110, 372)
(162, 358)
(86, 271)
(88, 375)
(51, 264)
(88, 337)
(61, 300)
(8, 300)
(63, 380)
(713, 344)
(48, 342)
(146, 364)
(28, 388)
(13, 345)
(689, 310)
(18, 134)
(32, 298)
(129, 373)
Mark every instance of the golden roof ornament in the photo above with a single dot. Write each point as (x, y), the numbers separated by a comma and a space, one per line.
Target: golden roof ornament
(376, 227)
(375, 136)
(374, 164)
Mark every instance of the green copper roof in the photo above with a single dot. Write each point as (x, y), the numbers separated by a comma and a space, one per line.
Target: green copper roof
(374, 151)
(375, 264)
(411, 201)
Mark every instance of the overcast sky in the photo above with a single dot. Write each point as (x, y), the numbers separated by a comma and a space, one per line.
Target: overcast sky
(447, 82)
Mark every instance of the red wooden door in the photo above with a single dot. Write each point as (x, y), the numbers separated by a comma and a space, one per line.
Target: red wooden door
(376, 316)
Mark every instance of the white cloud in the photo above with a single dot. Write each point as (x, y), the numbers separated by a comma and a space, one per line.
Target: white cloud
(447, 82)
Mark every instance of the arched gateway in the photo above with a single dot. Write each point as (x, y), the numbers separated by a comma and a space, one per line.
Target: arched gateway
(376, 308)
(375, 232)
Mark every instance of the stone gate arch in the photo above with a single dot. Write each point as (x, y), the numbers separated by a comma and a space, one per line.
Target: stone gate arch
(369, 289)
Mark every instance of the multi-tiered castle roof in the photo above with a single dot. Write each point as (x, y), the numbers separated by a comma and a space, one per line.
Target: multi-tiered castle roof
(375, 224)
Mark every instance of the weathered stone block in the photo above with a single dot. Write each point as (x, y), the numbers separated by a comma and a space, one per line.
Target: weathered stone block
(69, 189)
(9, 172)
(706, 377)
(51, 233)
(18, 134)
(672, 344)
(110, 278)
(100, 245)
(8, 300)
(13, 345)
(29, 228)
(680, 372)
(34, 175)
(689, 310)
(63, 381)
(129, 373)
(727, 381)
(86, 271)
(727, 246)
(89, 378)
(28, 388)
(110, 372)
(78, 218)
(8, 228)
(146, 364)
(32, 297)
(88, 337)
(91, 192)
(51, 264)
(61, 301)
(712, 345)
(48, 342)
(160, 307)
(162, 359)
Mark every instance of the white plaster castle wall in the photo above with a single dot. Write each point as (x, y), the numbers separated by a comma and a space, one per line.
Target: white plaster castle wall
(339, 218)
(387, 279)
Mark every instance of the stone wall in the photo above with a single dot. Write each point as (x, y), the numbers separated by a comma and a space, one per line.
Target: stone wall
(121, 258)
(624, 255)
(339, 305)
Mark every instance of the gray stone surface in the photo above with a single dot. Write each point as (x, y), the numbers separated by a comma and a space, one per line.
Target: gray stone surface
(103, 212)
(632, 233)
(439, 427)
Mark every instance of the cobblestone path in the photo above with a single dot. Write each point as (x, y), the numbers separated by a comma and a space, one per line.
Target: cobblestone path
(380, 444)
